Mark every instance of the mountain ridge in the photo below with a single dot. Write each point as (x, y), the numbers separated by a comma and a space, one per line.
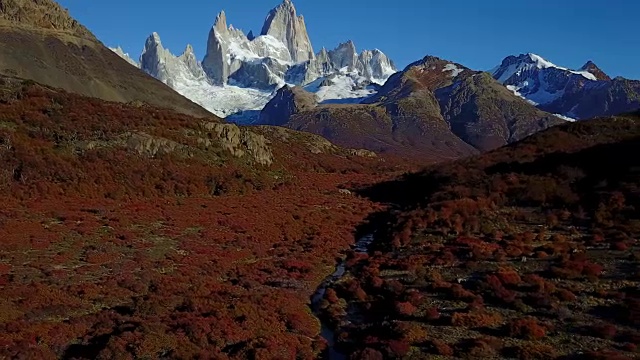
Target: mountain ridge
(567, 92)
(40, 41)
(433, 108)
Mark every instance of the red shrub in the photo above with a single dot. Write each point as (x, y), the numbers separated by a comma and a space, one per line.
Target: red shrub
(441, 348)
(458, 292)
(432, 314)
(398, 348)
(331, 296)
(526, 328)
(620, 246)
(509, 276)
(566, 295)
(592, 269)
(405, 308)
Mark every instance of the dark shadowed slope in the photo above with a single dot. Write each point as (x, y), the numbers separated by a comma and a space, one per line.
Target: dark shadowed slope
(526, 252)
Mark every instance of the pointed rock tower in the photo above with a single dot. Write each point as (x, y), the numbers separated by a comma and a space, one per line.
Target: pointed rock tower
(214, 62)
(284, 24)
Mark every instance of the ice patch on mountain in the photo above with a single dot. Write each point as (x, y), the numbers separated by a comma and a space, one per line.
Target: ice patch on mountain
(455, 71)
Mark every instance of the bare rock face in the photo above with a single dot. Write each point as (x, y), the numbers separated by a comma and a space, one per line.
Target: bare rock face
(162, 64)
(288, 101)
(145, 144)
(345, 55)
(284, 24)
(214, 62)
(240, 142)
(46, 14)
(376, 65)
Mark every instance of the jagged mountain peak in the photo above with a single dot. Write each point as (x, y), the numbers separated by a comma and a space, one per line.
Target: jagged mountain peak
(43, 14)
(154, 39)
(284, 24)
(220, 22)
(527, 63)
(120, 52)
(573, 94)
(256, 64)
(592, 68)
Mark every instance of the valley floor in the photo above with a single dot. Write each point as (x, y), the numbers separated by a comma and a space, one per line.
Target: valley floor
(225, 277)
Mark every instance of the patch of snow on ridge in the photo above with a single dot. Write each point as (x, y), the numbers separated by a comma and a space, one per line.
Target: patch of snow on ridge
(541, 63)
(455, 71)
(343, 89)
(535, 62)
(565, 118)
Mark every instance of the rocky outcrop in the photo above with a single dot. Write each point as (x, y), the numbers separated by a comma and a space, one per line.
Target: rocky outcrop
(288, 101)
(44, 14)
(285, 25)
(240, 142)
(148, 145)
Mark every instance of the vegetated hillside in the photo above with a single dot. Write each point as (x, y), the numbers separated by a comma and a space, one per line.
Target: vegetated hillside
(434, 109)
(527, 252)
(41, 42)
(136, 232)
(371, 127)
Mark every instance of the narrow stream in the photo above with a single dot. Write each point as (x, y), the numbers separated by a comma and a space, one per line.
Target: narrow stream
(361, 246)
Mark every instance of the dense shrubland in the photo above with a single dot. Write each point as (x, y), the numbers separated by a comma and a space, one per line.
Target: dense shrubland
(530, 251)
(158, 244)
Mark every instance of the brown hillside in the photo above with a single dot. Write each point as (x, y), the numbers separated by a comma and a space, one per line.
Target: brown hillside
(41, 42)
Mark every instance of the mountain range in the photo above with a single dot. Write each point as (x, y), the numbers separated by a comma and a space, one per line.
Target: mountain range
(240, 72)
(137, 225)
(433, 106)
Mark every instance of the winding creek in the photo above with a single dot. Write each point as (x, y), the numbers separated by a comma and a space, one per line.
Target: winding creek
(361, 246)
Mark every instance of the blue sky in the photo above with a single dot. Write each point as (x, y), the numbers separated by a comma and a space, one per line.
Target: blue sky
(475, 33)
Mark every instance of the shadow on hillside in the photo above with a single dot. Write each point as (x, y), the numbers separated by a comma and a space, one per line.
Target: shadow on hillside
(409, 190)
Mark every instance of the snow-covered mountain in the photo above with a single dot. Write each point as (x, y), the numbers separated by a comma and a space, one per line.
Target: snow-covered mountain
(572, 94)
(118, 50)
(536, 79)
(241, 72)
